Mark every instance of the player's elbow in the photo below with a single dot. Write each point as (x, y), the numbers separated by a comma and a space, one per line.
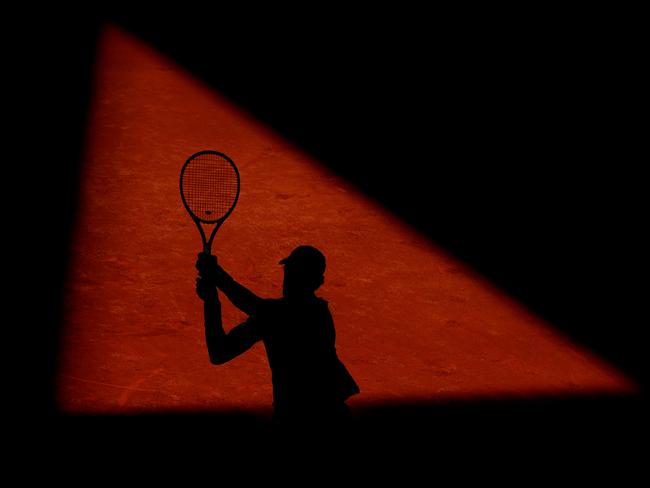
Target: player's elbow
(218, 357)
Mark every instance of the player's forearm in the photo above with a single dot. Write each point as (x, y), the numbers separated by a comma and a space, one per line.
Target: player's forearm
(240, 296)
(215, 336)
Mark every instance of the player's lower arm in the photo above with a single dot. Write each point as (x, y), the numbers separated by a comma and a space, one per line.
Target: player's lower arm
(215, 336)
(240, 296)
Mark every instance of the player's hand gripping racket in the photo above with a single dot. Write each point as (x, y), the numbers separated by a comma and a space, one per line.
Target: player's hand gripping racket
(209, 190)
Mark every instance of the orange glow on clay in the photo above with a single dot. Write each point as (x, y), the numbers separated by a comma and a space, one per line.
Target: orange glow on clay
(413, 324)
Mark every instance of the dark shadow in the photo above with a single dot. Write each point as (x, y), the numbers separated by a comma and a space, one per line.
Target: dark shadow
(54, 60)
(465, 430)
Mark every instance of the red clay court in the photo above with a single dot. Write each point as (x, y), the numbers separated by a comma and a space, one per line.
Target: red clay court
(413, 324)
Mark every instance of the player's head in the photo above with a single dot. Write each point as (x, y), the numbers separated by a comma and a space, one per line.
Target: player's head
(304, 271)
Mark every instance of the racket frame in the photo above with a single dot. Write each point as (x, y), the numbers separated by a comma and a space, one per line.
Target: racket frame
(207, 243)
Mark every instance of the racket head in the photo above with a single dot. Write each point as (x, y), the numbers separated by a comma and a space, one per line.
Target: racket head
(209, 185)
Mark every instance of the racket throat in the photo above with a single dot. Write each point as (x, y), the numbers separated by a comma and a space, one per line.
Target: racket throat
(207, 243)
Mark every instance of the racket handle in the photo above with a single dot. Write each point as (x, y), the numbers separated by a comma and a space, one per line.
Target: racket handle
(206, 249)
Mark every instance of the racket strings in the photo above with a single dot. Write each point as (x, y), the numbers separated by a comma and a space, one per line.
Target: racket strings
(210, 186)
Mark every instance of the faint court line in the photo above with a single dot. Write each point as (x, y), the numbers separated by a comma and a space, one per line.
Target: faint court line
(122, 387)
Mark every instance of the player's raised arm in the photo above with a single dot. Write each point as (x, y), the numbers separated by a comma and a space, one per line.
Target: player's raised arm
(222, 346)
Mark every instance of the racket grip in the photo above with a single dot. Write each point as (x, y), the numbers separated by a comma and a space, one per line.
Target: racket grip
(208, 254)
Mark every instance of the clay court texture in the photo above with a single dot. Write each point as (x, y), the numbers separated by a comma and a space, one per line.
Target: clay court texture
(413, 323)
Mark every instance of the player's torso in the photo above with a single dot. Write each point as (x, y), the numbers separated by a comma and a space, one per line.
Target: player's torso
(299, 341)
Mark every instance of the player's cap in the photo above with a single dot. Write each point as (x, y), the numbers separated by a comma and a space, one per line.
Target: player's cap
(308, 258)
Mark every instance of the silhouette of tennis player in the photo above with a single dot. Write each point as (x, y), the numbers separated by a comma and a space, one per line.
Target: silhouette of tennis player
(310, 383)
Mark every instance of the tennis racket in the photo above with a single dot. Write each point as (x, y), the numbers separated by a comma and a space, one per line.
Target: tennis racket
(209, 189)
